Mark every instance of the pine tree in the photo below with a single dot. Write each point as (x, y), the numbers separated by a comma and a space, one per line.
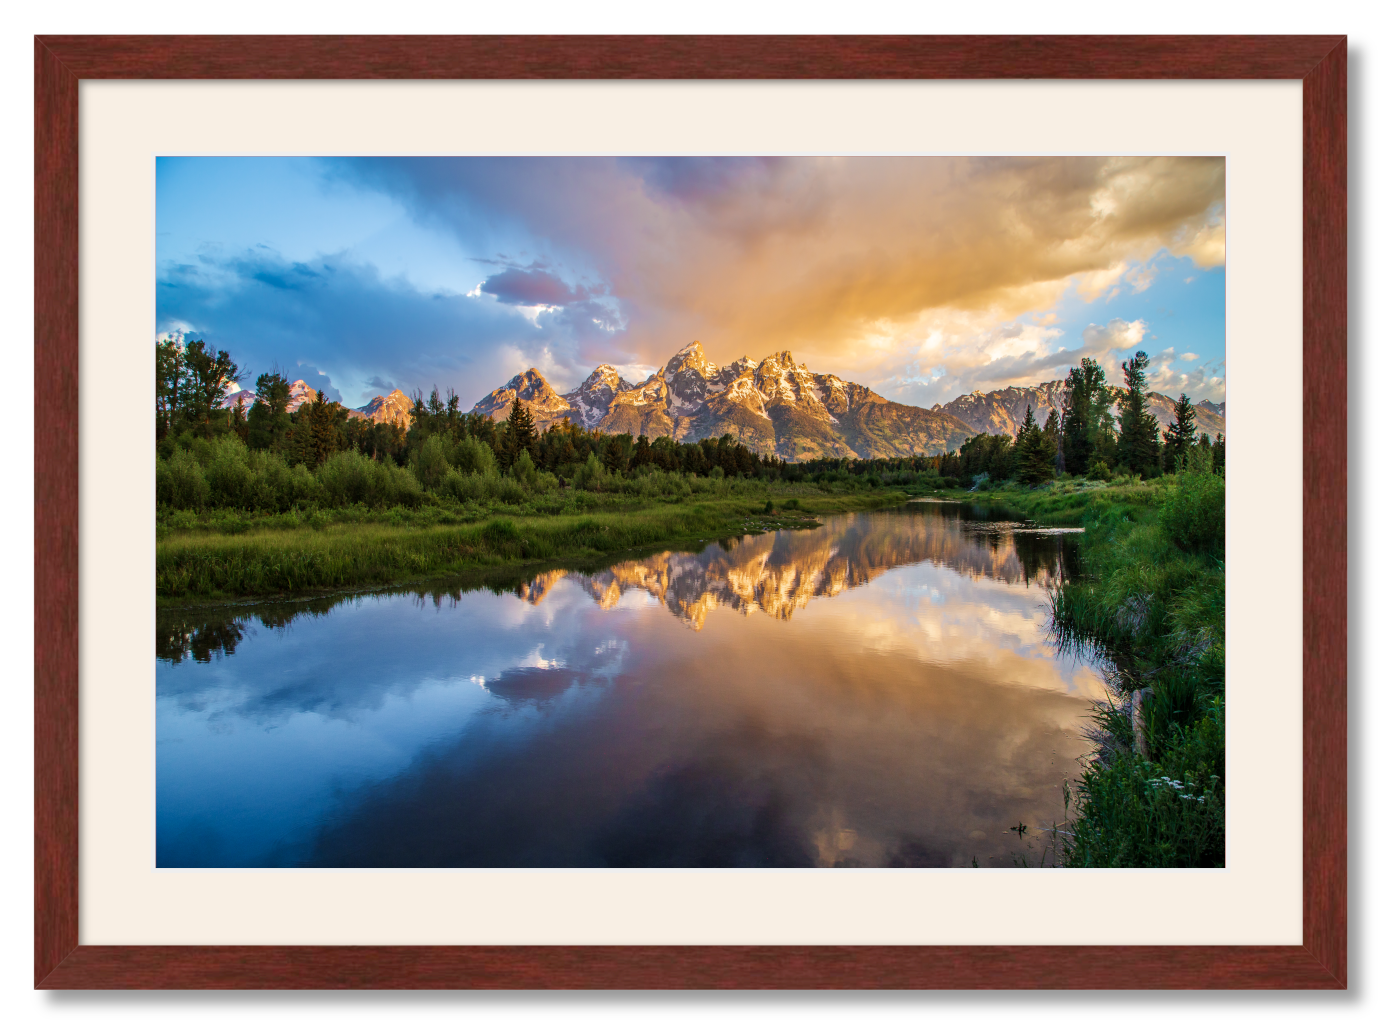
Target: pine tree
(1139, 448)
(1181, 435)
(1050, 443)
(1033, 458)
(268, 416)
(322, 419)
(1085, 416)
(521, 434)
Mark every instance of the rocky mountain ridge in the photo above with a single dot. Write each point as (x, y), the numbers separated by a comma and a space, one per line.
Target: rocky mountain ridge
(390, 408)
(387, 408)
(1003, 411)
(774, 407)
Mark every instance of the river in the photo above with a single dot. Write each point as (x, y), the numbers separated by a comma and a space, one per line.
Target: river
(879, 691)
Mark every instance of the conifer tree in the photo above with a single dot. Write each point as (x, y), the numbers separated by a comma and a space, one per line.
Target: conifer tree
(1050, 443)
(322, 424)
(1033, 458)
(1181, 435)
(268, 416)
(521, 434)
(1139, 448)
(1085, 416)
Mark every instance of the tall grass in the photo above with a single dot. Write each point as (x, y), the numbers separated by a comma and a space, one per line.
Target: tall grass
(334, 551)
(1150, 606)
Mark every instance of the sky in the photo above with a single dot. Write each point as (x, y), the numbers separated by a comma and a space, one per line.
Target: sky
(922, 277)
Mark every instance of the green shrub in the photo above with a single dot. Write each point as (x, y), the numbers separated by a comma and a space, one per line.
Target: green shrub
(1193, 515)
(181, 482)
(430, 462)
(348, 478)
(231, 481)
(1099, 470)
(473, 456)
(591, 475)
(523, 470)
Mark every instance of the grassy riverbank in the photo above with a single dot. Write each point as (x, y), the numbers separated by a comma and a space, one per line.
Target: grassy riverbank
(220, 555)
(1153, 600)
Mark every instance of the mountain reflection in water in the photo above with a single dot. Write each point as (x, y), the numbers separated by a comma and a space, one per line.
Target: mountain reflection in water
(897, 703)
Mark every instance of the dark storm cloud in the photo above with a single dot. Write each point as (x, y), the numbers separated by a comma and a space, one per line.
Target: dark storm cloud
(530, 287)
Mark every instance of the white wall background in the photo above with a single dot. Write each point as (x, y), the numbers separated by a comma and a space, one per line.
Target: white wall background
(21, 21)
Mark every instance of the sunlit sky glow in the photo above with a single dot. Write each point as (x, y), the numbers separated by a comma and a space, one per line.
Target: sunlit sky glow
(922, 277)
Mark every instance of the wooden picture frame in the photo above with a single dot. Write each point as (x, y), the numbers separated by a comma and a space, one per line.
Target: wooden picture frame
(1319, 62)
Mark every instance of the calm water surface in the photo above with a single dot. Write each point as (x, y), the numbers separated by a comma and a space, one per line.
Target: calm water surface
(876, 692)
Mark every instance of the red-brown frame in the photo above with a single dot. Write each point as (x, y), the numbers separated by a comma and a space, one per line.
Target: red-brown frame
(1319, 62)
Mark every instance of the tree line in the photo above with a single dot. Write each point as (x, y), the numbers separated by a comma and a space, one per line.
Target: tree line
(193, 403)
(1080, 437)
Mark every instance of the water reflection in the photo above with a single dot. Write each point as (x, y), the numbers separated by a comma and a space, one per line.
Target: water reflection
(567, 719)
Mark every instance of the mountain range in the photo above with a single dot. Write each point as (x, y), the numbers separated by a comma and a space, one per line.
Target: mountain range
(774, 407)
(779, 407)
(1003, 411)
(390, 408)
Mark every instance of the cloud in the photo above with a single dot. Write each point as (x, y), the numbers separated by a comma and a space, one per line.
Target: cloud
(957, 359)
(921, 277)
(530, 288)
(1189, 356)
(1204, 382)
(826, 255)
(1094, 284)
(363, 333)
(1141, 278)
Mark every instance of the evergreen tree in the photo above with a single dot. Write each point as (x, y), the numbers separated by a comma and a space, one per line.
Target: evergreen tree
(521, 434)
(322, 426)
(1220, 450)
(268, 416)
(1181, 435)
(615, 453)
(1139, 449)
(1085, 418)
(1050, 442)
(1033, 459)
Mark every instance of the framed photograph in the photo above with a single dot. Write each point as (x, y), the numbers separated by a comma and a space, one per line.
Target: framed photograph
(496, 599)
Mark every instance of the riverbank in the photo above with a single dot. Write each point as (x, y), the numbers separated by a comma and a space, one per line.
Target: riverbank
(1151, 602)
(215, 557)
